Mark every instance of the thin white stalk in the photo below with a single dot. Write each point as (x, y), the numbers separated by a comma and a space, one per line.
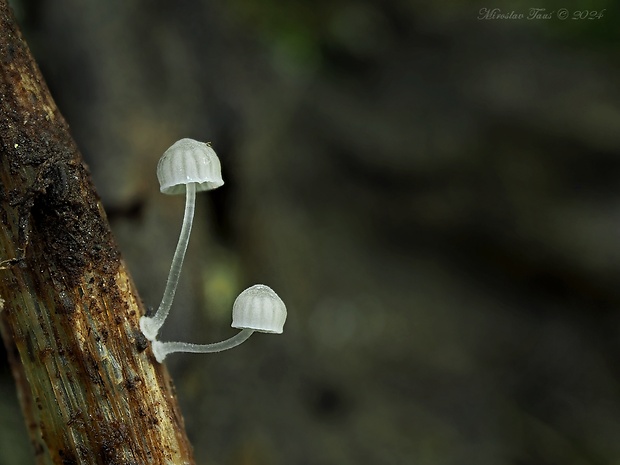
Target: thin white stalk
(150, 326)
(162, 349)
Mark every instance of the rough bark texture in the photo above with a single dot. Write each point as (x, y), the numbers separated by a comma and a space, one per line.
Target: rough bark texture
(88, 384)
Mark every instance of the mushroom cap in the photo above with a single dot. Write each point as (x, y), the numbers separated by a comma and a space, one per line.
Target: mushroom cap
(259, 308)
(187, 161)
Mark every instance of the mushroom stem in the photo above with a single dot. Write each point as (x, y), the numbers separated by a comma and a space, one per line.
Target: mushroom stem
(162, 349)
(150, 325)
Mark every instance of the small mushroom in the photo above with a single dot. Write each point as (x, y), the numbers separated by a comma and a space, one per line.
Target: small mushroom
(258, 308)
(188, 166)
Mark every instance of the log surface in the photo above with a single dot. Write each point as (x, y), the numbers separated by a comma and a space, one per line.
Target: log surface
(88, 384)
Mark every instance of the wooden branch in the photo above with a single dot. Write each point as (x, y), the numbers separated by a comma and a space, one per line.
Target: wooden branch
(88, 384)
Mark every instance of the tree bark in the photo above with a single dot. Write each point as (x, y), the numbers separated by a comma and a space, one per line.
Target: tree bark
(89, 387)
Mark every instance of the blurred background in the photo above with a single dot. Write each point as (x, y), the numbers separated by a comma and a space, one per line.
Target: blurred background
(433, 190)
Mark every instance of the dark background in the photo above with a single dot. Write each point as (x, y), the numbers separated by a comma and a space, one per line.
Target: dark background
(435, 197)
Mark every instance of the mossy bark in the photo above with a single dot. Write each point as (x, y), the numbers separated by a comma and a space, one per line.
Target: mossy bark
(88, 384)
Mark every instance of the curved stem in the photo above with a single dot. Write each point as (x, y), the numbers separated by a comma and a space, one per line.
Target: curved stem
(162, 349)
(150, 325)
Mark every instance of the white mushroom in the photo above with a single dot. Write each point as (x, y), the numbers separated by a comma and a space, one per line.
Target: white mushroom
(258, 308)
(188, 166)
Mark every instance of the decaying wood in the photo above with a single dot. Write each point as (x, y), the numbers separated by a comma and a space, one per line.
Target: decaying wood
(87, 381)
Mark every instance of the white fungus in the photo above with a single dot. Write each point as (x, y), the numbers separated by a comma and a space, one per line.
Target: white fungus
(258, 308)
(188, 166)
(188, 161)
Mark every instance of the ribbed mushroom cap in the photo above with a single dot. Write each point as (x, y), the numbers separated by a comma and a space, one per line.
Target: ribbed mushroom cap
(259, 308)
(186, 161)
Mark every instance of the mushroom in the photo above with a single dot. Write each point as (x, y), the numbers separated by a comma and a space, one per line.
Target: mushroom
(188, 166)
(258, 308)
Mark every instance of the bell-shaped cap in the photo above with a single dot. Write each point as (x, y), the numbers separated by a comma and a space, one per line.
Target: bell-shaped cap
(187, 161)
(260, 309)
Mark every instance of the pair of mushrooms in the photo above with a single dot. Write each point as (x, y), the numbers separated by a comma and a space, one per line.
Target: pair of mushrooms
(189, 166)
